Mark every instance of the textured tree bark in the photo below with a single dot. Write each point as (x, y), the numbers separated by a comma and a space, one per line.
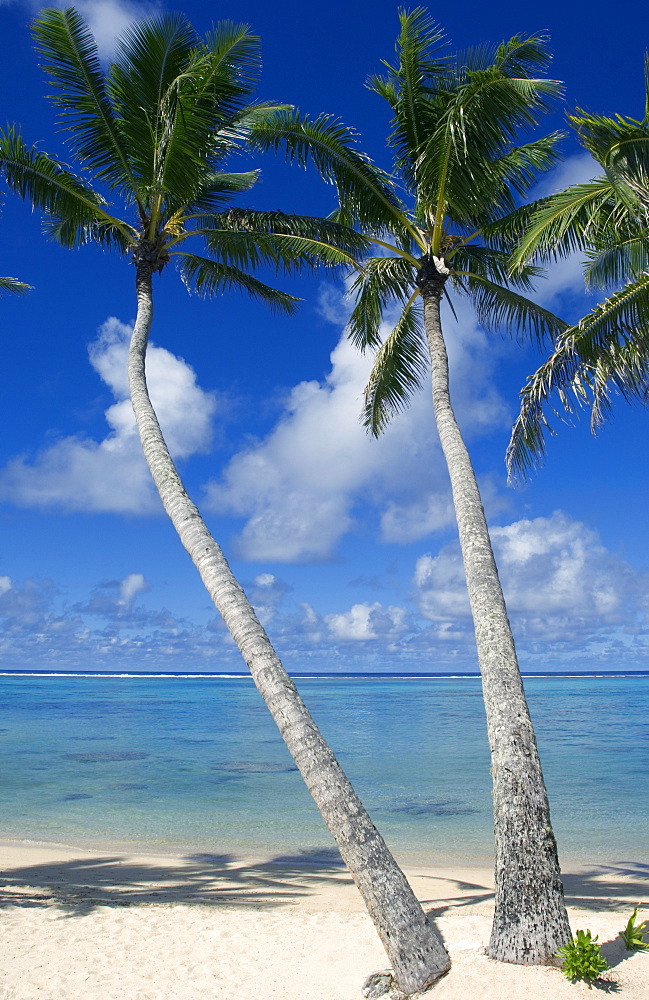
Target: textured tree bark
(530, 920)
(414, 947)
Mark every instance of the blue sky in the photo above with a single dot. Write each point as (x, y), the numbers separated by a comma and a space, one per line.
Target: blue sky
(345, 545)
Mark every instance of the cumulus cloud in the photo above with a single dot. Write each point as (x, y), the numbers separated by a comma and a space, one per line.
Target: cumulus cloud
(79, 473)
(367, 621)
(299, 488)
(131, 585)
(39, 631)
(108, 19)
(558, 579)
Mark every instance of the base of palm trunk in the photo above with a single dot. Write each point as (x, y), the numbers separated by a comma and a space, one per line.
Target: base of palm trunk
(383, 986)
(528, 927)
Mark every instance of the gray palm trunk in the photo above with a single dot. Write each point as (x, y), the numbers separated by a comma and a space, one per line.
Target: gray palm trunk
(415, 949)
(530, 920)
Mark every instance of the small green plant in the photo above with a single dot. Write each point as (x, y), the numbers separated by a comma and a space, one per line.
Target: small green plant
(583, 959)
(634, 934)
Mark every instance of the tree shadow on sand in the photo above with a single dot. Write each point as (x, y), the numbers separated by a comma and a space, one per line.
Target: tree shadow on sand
(82, 884)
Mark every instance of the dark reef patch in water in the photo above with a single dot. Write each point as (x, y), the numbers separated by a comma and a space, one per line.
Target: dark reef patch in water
(98, 758)
(253, 767)
(426, 807)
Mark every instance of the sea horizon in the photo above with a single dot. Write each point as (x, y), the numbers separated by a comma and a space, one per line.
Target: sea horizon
(366, 675)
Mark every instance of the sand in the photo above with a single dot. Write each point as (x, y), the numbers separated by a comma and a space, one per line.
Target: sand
(79, 925)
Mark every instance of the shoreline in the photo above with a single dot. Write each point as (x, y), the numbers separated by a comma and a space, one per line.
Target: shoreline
(80, 922)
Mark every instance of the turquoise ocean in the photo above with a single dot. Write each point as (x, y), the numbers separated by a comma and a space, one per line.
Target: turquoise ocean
(193, 764)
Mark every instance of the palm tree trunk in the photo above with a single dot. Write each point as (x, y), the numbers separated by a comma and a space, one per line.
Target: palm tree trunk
(413, 945)
(530, 920)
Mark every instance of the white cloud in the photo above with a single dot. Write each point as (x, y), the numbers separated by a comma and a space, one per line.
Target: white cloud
(131, 585)
(557, 577)
(108, 19)
(367, 621)
(299, 489)
(5, 584)
(79, 473)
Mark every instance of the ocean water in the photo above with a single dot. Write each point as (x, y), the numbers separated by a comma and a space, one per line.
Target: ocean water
(194, 764)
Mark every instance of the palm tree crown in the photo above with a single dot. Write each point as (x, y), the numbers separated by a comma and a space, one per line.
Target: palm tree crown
(452, 195)
(607, 219)
(152, 136)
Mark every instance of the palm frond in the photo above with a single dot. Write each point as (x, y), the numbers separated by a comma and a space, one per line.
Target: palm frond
(483, 114)
(14, 285)
(607, 352)
(501, 309)
(283, 251)
(494, 264)
(400, 368)
(411, 86)
(209, 277)
(153, 85)
(566, 221)
(232, 67)
(52, 187)
(366, 194)
(381, 283)
(621, 261)
(71, 233)
(496, 189)
(70, 56)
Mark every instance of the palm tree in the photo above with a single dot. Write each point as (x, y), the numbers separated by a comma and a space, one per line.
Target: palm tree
(607, 351)
(153, 134)
(444, 224)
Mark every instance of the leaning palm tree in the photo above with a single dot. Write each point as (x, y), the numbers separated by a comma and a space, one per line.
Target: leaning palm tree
(607, 351)
(443, 228)
(154, 134)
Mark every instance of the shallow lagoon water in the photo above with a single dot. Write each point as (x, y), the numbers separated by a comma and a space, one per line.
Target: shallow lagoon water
(195, 764)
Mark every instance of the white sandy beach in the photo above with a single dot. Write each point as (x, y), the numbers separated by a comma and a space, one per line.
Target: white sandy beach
(80, 925)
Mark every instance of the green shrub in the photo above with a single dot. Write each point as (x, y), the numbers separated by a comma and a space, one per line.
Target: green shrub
(634, 935)
(582, 958)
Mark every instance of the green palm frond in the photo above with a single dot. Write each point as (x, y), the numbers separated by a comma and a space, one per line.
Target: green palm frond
(422, 63)
(607, 352)
(51, 186)
(233, 67)
(500, 308)
(621, 261)
(620, 144)
(209, 277)
(366, 194)
(566, 221)
(283, 251)
(496, 190)
(69, 51)
(399, 370)
(14, 285)
(382, 283)
(154, 85)
(71, 234)
(489, 262)
(475, 127)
